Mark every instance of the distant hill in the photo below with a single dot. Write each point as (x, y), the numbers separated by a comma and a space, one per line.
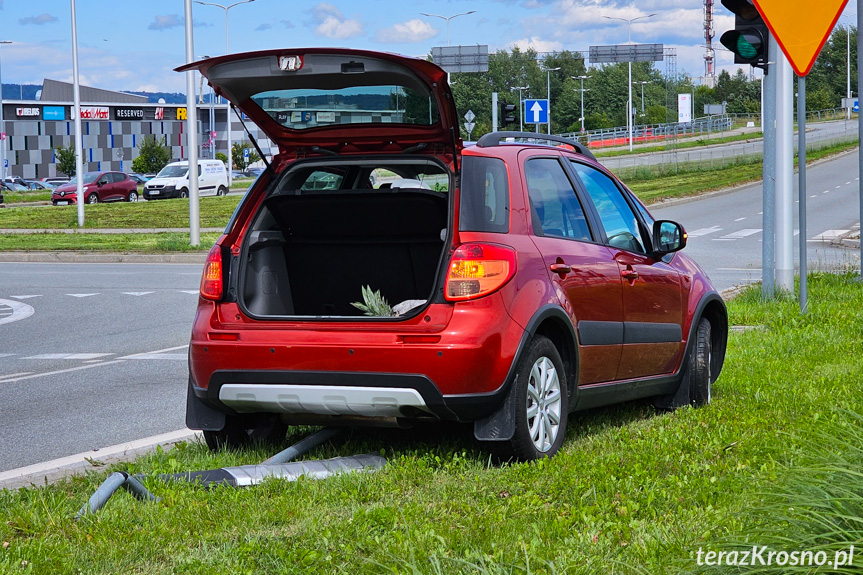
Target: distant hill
(153, 97)
(28, 92)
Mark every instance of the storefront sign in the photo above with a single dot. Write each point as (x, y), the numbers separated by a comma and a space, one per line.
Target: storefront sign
(92, 113)
(53, 113)
(181, 114)
(128, 113)
(28, 112)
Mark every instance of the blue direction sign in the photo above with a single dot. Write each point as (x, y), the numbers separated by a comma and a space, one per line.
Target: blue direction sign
(536, 111)
(856, 106)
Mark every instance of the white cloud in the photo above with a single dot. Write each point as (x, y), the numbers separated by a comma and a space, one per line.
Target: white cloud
(537, 44)
(165, 22)
(39, 20)
(412, 31)
(331, 23)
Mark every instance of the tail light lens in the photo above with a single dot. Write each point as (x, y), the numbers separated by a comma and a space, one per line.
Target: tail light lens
(477, 270)
(212, 284)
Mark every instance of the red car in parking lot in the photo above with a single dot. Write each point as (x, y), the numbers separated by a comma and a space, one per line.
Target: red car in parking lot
(98, 187)
(529, 283)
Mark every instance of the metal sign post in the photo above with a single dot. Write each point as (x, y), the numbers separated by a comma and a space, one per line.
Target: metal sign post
(801, 153)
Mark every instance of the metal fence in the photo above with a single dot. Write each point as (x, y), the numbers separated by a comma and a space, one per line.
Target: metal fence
(645, 133)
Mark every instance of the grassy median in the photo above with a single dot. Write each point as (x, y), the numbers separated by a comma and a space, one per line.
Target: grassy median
(632, 490)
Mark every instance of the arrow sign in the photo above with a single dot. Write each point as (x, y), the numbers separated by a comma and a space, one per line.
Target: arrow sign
(801, 27)
(537, 111)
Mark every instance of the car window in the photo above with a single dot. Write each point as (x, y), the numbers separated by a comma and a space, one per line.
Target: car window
(484, 204)
(321, 180)
(555, 209)
(118, 177)
(618, 219)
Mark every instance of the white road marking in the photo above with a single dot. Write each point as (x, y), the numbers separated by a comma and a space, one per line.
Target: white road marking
(172, 356)
(6, 354)
(25, 296)
(71, 369)
(739, 219)
(829, 235)
(814, 196)
(38, 473)
(704, 232)
(741, 234)
(847, 183)
(82, 294)
(826, 192)
(137, 293)
(8, 375)
(838, 188)
(68, 356)
(19, 310)
(192, 291)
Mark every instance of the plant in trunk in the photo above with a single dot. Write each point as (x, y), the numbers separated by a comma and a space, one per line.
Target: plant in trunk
(373, 303)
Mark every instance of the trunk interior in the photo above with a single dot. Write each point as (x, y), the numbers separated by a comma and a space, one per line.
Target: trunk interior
(310, 252)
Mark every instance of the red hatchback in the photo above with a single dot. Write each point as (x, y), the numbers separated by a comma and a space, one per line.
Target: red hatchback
(526, 281)
(98, 187)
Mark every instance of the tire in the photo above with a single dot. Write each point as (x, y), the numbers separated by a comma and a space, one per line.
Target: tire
(242, 430)
(700, 378)
(222, 191)
(133, 196)
(93, 199)
(184, 193)
(541, 404)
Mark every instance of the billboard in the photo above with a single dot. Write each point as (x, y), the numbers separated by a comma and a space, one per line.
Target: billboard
(684, 108)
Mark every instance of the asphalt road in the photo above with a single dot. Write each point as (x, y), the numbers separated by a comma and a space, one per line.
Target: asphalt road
(100, 360)
(93, 355)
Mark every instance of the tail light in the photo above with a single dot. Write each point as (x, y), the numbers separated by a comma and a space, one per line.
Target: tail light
(477, 270)
(212, 284)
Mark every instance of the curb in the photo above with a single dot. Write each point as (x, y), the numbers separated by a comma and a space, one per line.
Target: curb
(102, 258)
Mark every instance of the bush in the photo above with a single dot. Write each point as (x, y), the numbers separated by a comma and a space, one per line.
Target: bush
(222, 157)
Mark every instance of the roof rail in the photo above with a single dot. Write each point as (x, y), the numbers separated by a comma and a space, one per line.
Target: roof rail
(494, 139)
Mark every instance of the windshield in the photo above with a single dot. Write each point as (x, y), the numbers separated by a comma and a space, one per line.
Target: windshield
(310, 108)
(173, 172)
(89, 178)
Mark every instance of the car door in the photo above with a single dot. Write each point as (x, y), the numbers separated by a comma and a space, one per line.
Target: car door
(652, 312)
(583, 270)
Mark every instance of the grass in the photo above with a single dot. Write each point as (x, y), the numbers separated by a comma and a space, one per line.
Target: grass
(632, 490)
(158, 243)
(682, 144)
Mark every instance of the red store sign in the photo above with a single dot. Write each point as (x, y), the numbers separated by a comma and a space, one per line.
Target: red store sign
(92, 113)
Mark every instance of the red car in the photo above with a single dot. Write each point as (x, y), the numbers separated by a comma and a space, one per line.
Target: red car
(527, 281)
(98, 187)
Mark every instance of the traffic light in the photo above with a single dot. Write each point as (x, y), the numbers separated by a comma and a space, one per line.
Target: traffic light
(749, 38)
(507, 114)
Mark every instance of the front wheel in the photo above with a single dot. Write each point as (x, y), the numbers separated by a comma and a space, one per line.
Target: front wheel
(699, 365)
(133, 196)
(184, 193)
(242, 430)
(93, 199)
(541, 403)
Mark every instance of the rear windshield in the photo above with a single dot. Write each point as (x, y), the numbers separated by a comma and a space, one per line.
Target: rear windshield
(302, 109)
(484, 205)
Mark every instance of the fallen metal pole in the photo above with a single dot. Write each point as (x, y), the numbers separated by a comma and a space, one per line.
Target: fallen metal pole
(114, 482)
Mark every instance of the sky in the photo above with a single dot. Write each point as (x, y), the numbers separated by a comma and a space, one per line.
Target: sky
(135, 45)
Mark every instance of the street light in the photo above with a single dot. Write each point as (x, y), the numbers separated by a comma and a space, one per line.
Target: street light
(629, 22)
(448, 18)
(548, 91)
(582, 78)
(2, 127)
(228, 107)
(643, 82)
(520, 106)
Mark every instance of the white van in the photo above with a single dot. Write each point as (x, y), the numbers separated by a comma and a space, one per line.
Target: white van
(173, 180)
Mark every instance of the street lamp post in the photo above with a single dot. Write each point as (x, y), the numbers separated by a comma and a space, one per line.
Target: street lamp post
(2, 127)
(548, 91)
(629, 22)
(582, 78)
(228, 107)
(447, 18)
(643, 82)
(520, 106)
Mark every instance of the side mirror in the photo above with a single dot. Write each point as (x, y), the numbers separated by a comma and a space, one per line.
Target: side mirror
(668, 237)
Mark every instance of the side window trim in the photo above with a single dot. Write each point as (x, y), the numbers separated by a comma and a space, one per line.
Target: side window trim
(596, 232)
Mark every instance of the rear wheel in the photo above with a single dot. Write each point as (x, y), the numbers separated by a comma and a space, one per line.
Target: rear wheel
(184, 193)
(541, 400)
(699, 365)
(241, 430)
(93, 199)
(223, 191)
(133, 196)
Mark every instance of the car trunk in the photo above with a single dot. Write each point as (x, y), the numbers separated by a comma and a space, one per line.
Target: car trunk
(311, 252)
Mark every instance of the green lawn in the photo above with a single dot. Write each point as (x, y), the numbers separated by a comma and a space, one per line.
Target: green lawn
(165, 242)
(632, 490)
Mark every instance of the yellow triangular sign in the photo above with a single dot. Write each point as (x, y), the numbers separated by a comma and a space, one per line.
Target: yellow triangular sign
(801, 27)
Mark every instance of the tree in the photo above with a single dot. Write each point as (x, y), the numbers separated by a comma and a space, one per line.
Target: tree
(153, 155)
(238, 156)
(66, 159)
(222, 157)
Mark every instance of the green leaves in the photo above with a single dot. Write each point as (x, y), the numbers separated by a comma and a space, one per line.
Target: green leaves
(374, 303)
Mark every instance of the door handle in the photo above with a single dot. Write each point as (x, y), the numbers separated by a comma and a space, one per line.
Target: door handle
(629, 274)
(560, 268)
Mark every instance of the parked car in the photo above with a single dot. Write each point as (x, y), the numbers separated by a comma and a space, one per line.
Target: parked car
(173, 180)
(528, 284)
(98, 187)
(37, 185)
(138, 179)
(57, 181)
(15, 187)
(253, 172)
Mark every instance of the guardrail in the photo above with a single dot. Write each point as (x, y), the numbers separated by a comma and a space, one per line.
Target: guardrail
(619, 136)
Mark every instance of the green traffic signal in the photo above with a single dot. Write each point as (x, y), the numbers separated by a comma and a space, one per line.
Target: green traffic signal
(745, 48)
(748, 40)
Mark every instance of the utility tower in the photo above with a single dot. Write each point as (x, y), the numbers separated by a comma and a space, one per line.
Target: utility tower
(709, 66)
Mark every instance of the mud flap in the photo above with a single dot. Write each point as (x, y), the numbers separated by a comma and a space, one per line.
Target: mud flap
(500, 425)
(200, 415)
(678, 399)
